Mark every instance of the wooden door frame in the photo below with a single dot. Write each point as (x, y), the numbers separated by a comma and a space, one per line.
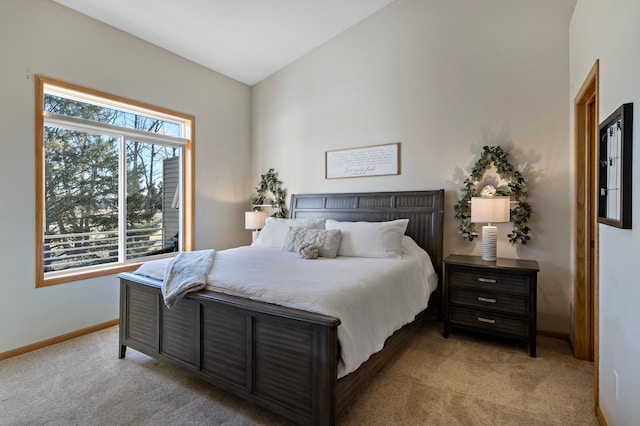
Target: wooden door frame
(586, 260)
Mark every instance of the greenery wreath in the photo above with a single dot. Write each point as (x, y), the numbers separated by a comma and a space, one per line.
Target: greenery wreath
(270, 182)
(516, 188)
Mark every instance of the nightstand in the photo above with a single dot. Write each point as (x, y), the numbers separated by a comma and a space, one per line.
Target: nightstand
(491, 297)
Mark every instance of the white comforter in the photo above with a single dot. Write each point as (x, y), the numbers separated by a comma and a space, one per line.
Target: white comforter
(372, 297)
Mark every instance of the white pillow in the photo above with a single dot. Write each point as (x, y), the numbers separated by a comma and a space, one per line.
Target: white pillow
(370, 239)
(275, 230)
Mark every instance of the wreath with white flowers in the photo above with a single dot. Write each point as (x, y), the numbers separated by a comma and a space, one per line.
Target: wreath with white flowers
(516, 189)
(270, 182)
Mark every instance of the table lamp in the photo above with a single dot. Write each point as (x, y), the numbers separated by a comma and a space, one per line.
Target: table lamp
(490, 210)
(254, 220)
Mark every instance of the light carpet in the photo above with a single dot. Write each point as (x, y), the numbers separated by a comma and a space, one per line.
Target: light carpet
(464, 380)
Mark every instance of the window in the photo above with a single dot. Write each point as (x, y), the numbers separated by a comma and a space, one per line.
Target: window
(114, 182)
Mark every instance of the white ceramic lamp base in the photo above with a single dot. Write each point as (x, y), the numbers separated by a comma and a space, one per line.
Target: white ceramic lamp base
(489, 242)
(254, 236)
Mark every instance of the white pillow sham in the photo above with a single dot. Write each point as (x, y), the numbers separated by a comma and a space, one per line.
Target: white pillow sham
(370, 239)
(275, 230)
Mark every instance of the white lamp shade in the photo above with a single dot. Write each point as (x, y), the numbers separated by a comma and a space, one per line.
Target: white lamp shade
(490, 210)
(254, 220)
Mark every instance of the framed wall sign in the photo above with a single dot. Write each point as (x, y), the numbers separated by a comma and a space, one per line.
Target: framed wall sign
(376, 160)
(614, 169)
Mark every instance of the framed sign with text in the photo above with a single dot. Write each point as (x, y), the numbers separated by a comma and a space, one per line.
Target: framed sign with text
(375, 160)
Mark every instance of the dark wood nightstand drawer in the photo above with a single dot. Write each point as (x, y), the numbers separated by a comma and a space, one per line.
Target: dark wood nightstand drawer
(490, 322)
(489, 280)
(492, 297)
(489, 300)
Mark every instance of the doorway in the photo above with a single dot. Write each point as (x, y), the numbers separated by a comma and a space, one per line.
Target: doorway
(585, 262)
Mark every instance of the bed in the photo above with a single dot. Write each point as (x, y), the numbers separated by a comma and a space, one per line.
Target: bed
(240, 344)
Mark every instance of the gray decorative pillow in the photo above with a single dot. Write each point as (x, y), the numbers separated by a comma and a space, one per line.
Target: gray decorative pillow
(309, 252)
(326, 241)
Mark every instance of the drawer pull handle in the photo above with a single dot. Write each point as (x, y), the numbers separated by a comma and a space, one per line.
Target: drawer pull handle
(484, 299)
(487, 280)
(488, 321)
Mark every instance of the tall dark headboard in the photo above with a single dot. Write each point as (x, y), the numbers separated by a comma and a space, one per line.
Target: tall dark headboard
(424, 209)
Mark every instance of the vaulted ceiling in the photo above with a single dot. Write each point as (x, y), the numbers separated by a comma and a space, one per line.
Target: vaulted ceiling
(247, 40)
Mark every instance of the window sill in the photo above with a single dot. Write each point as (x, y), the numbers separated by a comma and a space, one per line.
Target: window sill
(62, 277)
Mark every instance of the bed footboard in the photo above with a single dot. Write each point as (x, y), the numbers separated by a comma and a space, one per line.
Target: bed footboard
(279, 358)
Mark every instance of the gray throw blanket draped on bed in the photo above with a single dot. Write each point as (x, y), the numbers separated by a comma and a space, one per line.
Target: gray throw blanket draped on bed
(187, 272)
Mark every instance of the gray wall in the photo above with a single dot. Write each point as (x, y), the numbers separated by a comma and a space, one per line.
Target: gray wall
(609, 31)
(40, 36)
(443, 78)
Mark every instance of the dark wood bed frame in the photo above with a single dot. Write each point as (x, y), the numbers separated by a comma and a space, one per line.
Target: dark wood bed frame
(280, 358)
